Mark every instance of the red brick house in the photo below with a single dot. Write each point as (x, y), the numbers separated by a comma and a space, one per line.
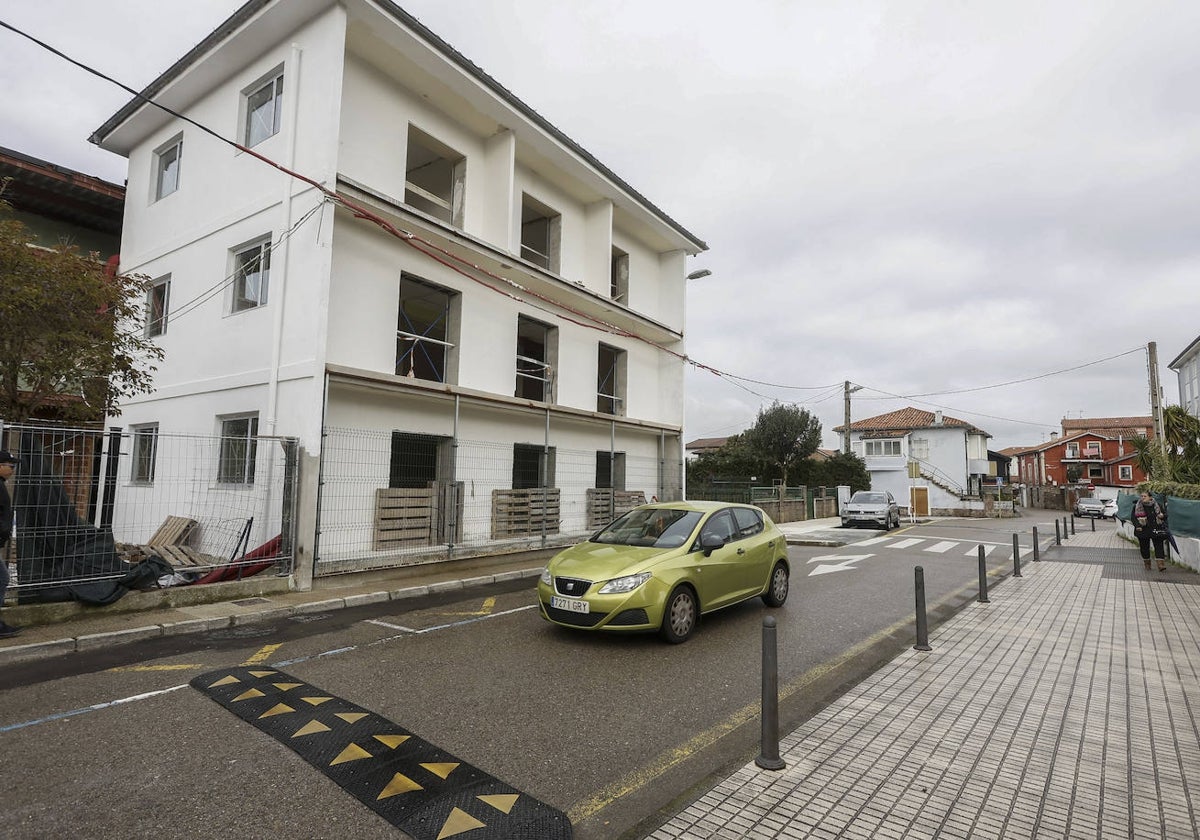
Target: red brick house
(1090, 451)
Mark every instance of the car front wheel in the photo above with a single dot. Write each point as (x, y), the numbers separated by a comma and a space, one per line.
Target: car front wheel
(777, 592)
(680, 616)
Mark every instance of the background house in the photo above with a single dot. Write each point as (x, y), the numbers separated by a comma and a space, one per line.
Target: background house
(1187, 367)
(479, 344)
(935, 462)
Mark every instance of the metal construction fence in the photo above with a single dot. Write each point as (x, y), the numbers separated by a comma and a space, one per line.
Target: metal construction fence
(390, 499)
(100, 511)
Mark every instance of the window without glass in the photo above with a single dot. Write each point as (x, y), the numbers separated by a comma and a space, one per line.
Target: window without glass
(433, 178)
(157, 301)
(239, 450)
(610, 470)
(619, 282)
(166, 163)
(263, 111)
(533, 466)
(610, 380)
(425, 330)
(251, 271)
(536, 356)
(414, 460)
(145, 452)
(540, 233)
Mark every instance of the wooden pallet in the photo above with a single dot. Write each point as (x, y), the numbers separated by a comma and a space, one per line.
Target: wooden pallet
(404, 517)
(175, 530)
(525, 513)
(603, 506)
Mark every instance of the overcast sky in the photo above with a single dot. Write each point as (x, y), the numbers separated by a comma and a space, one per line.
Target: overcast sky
(923, 198)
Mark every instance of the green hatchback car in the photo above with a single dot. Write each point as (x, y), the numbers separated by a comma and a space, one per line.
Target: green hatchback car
(661, 566)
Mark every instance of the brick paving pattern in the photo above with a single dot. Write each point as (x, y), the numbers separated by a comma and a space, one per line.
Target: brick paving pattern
(1068, 707)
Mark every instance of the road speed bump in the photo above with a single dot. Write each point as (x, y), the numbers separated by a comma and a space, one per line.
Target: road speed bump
(414, 785)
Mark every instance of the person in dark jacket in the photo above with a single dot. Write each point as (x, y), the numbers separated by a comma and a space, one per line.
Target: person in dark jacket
(1150, 525)
(7, 465)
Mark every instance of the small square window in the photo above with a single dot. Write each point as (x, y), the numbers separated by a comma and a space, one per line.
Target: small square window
(239, 450)
(264, 105)
(158, 299)
(533, 466)
(145, 453)
(433, 178)
(251, 273)
(167, 161)
(1125, 472)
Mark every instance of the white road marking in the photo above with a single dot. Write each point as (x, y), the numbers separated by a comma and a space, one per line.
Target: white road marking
(840, 557)
(400, 627)
(905, 543)
(988, 548)
(942, 547)
(872, 541)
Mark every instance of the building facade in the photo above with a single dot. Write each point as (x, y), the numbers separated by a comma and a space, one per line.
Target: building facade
(435, 290)
(1187, 367)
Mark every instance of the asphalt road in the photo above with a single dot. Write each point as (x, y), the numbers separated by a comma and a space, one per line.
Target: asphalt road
(614, 731)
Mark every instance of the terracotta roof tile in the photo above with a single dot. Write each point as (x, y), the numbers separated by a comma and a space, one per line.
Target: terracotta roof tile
(905, 420)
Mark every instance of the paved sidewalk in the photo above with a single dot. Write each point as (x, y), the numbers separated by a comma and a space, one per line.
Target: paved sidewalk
(1069, 706)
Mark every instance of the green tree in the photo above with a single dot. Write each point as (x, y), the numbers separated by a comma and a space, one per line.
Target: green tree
(1181, 432)
(784, 435)
(68, 329)
(842, 468)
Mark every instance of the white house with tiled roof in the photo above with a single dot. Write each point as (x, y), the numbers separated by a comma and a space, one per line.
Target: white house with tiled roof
(934, 462)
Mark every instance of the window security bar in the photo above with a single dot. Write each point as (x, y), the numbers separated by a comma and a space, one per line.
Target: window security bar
(407, 336)
(428, 196)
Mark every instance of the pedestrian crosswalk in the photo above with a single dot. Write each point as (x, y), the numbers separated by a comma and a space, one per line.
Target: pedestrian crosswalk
(937, 545)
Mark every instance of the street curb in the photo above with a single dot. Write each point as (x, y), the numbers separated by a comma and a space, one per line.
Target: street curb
(821, 543)
(116, 637)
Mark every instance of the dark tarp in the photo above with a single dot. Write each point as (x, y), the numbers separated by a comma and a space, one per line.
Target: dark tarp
(55, 548)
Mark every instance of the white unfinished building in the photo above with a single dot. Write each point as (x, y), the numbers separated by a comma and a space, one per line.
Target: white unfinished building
(480, 349)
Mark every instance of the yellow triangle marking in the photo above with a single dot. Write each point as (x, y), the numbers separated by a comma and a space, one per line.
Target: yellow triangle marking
(278, 709)
(316, 701)
(261, 674)
(399, 784)
(352, 753)
(311, 727)
(458, 822)
(351, 717)
(392, 741)
(226, 681)
(246, 695)
(501, 801)
(287, 686)
(442, 769)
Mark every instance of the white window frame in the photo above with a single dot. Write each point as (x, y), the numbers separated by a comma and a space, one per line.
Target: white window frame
(1124, 472)
(142, 468)
(229, 471)
(166, 156)
(272, 85)
(1073, 450)
(919, 449)
(883, 445)
(156, 326)
(249, 295)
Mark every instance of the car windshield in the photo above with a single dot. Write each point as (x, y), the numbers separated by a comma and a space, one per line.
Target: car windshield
(651, 527)
(869, 499)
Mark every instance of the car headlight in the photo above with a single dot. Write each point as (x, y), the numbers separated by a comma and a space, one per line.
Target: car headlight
(547, 578)
(624, 584)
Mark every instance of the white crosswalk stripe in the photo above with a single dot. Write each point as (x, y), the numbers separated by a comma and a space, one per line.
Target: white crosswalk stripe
(974, 552)
(908, 543)
(941, 547)
(872, 541)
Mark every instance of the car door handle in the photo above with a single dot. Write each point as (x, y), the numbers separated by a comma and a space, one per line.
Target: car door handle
(741, 551)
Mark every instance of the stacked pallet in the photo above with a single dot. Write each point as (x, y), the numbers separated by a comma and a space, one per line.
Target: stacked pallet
(404, 517)
(525, 513)
(603, 505)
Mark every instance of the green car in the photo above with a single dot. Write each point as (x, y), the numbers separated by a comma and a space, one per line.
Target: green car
(660, 566)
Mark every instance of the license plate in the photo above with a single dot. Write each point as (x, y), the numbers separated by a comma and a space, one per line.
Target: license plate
(569, 604)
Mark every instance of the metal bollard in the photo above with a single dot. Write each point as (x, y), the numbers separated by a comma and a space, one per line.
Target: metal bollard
(1036, 548)
(983, 598)
(1057, 532)
(922, 621)
(1093, 519)
(768, 758)
(1072, 525)
(1016, 557)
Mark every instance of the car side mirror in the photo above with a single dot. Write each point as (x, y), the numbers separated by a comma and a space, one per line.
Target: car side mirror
(710, 543)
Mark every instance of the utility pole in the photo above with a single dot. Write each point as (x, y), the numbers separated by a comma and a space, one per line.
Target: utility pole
(846, 438)
(1156, 406)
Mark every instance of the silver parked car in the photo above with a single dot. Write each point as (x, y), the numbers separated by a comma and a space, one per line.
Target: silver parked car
(1090, 507)
(871, 507)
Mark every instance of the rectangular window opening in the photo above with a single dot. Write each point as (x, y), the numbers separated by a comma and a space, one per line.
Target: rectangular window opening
(619, 281)
(167, 162)
(540, 232)
(610, 470)
(158, 299)
(536, 352)
(533, 466)
(239, 450)
(264, 106)
(251, 273)
(415, 460)
(145, 453)
(610, 380)
(1125, 472)
(433, 178)
(882, 448)
(424, 331)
